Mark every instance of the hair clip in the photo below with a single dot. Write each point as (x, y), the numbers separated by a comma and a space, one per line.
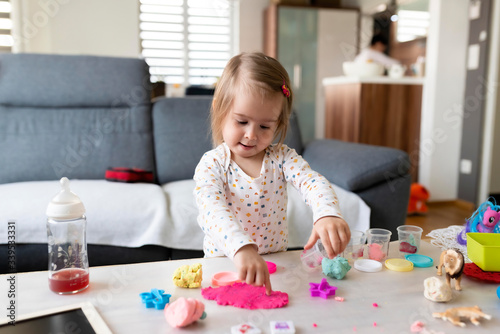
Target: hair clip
(285, 89)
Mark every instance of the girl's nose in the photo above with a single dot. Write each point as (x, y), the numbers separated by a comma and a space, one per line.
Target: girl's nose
(251, 133)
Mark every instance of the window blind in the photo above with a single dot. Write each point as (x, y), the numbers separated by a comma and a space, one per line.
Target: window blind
(6, 40)
(187, 42)
(412, 24)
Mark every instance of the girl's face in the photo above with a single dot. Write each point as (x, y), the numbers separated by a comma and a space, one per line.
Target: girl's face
(250, 125)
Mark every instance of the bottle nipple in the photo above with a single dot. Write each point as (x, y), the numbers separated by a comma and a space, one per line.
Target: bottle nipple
(66, 204)
(64, 183)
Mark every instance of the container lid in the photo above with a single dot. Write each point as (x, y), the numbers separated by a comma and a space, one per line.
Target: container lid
(225, 278)
(65, 205)
(367, 265)
(271, 266)
(399, 265)
(420, 260)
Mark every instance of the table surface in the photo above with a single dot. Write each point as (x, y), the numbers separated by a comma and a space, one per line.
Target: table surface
(114, 291)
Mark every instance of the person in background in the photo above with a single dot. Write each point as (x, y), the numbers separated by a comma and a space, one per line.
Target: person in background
(375, 53)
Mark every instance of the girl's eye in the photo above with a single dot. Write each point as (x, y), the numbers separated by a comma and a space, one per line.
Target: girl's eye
(242, 122)
(264, 127)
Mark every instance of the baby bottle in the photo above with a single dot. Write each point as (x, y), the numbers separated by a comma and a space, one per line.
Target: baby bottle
(66, 232)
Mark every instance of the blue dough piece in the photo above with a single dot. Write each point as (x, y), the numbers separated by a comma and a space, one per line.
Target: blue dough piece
(336, 268)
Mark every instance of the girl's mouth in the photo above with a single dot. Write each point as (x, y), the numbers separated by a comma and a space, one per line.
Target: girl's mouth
(246, 147)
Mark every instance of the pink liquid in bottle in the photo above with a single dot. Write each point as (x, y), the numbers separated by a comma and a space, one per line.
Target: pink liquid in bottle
(69, 280)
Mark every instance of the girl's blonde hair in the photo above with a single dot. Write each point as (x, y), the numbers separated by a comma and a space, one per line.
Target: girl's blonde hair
(250, 73)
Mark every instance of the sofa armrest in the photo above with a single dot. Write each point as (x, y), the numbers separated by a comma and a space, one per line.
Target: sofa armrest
(354, 166)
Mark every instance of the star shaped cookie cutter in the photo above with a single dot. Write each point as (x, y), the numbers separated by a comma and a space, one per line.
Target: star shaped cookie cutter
(322, 289)
(156, 298)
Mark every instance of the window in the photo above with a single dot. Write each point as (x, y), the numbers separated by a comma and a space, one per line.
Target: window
(187, 42)
(6, 40)
(412, 24)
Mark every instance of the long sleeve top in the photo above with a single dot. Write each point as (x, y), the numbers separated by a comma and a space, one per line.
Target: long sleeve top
(236, 210)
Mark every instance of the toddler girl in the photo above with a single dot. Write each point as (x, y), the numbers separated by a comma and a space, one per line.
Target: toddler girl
(241, 184)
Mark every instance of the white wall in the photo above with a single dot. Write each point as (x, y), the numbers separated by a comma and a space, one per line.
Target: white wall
(441, 130)
(106, 27)
(494, 187)
(490, 169)
(252, 25)
(96, 27)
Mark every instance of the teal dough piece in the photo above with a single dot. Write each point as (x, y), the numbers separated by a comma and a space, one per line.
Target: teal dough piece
(336, 268)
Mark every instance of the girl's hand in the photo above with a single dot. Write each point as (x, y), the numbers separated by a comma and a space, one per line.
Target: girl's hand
(334, 234)
(252, 268)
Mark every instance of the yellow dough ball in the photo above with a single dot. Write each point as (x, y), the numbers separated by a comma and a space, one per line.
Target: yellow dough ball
(188, 276)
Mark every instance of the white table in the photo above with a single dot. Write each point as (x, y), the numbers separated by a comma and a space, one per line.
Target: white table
(114, 291)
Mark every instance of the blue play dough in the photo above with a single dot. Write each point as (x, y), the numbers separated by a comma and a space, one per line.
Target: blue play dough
(336, 268)
(498, 292)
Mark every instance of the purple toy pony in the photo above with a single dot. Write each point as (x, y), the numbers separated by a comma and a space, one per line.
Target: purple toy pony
(484, 220)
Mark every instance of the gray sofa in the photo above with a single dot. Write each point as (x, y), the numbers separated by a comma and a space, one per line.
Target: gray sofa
(76, 116)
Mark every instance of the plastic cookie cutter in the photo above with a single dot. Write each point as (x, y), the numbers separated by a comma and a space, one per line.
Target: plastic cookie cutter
(156, 298)
(322, 289)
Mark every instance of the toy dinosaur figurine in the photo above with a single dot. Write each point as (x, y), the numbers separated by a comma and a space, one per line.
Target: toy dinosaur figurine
(453, 315)
(453, 262)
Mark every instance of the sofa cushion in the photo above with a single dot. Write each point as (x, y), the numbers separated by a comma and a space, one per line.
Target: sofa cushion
(181, 135)
(186, 233)
(354, 166)
(118, 214)
(48, 81)
(73, 116)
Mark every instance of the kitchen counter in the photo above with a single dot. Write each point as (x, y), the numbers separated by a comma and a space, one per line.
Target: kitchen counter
(378, 110)
(374, 80)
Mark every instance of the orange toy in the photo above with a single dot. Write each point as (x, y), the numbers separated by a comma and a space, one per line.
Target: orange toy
(418, 197)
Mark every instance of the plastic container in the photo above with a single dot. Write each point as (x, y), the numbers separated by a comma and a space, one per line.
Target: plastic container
(66, 233)
(409, 239)
(378, 243)
(225, 278)
(367, 265)
(312, 258)
(484, 250)
(419, 260)
(399, 265)
(355, 247)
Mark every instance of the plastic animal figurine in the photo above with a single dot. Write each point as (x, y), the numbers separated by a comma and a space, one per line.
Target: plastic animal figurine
(490, 220)
(418, 198)
(485, 220)
(454, 315)
(453, 262)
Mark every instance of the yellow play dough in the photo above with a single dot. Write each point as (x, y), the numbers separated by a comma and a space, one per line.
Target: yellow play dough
(188, 276)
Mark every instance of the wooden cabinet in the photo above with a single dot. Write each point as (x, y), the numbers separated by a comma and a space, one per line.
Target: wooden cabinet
(311, 43)
(378, 113)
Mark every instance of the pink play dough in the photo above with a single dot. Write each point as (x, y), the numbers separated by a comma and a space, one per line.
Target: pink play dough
(183, 311)
(375, 252)
(245, 296)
